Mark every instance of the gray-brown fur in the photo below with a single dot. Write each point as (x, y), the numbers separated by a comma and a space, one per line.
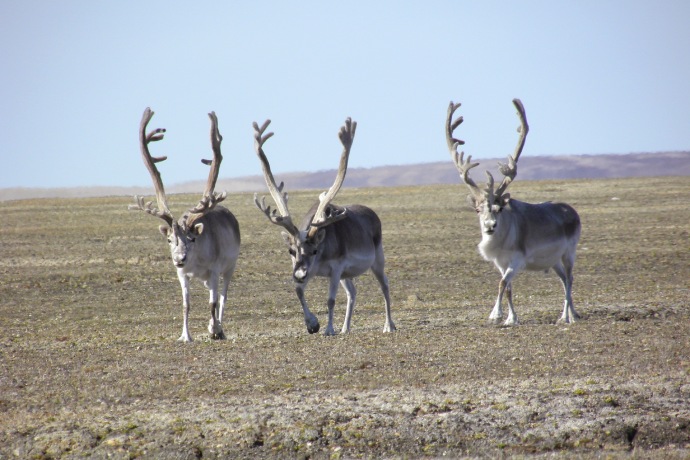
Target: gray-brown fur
(360, 228)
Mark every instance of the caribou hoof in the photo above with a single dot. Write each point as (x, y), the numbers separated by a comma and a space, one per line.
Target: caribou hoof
(215, 330)
(312, 323)
(218, 336)
(567, 320)
(389, 327)
(494, 321)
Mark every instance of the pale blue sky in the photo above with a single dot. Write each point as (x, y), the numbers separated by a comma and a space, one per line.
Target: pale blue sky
(595, 76)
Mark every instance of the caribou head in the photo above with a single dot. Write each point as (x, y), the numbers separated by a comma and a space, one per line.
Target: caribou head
(487, 201)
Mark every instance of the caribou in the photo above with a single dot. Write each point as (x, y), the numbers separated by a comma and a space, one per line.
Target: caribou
(518, 236)
(337, 242)
(205, 241)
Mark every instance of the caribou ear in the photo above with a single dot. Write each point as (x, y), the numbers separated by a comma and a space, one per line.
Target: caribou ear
(199, 228)
(320, 235)
(505, 199)
(287, 238)
(163, 229)
(472, 201)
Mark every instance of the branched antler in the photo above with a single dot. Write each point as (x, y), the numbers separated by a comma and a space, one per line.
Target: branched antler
(144, 139)
(509, 170)
(216, 139)
(324, 215)
(463, 165)
(280, 215)
(210, 198)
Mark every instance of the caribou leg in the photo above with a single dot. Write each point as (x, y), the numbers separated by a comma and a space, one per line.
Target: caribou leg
(224, 296)
(503, 286)
(184, 283)
(565, 273)
(309, 319)
(512, 319)
(214, 325)
(351, 291)
(332, 291)
(381, 277)
(497, 312)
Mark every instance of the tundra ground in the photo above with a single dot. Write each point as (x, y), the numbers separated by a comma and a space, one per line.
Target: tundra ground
(90, 310)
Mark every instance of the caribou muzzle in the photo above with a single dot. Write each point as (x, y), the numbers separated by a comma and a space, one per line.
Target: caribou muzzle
(489, 226)
(300, 275)
(179, 260)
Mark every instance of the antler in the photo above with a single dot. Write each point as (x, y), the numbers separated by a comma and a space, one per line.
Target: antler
(463, 165)
(281, 215)
(321, 218)
(156, 135)
(210, 198)
(509, 170)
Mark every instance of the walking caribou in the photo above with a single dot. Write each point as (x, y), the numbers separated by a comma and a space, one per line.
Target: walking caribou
(516, 235)
(336, 242)
(205, 241)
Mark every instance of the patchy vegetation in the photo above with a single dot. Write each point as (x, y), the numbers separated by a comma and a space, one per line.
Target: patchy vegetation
(90, 312)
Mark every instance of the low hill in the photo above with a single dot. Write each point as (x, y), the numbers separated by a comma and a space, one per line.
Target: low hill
(530, 168)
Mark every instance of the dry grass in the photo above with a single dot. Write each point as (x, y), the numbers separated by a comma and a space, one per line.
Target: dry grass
(90, 309)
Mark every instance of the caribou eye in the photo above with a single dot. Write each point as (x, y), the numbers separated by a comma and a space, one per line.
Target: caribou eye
(313, 252)
(192, 239)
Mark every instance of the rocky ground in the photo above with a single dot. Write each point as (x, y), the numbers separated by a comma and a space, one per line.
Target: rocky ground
(90, 310)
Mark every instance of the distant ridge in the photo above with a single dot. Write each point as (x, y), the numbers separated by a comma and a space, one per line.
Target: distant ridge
(529, 168)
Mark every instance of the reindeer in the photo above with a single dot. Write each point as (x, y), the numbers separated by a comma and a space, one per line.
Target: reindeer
(516, 235)
(205, 241)
(336, 242)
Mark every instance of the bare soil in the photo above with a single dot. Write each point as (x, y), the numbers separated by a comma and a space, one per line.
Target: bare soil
(90, 310)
